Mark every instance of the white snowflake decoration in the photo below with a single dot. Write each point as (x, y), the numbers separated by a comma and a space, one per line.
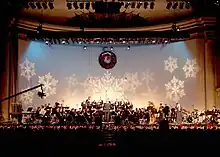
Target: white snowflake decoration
(72, 81)
(107, 86)
(148, 77)
(27, 98)
(49, 84)
(132, 82)
(175, 89)
(170, 64)
(27, 69)
(191, 68)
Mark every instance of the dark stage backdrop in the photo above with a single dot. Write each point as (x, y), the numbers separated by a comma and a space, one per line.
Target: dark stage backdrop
(70, 74)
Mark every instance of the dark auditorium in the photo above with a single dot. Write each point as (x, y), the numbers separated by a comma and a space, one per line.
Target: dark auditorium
(109, 77)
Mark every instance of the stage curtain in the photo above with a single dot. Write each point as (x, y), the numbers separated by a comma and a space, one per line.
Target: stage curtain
(12, 50)
(3, 65)
(8, 67)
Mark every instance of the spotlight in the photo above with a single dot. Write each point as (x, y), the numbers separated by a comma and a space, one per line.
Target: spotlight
(47, 42)
(63, 42)
(187, 5)
(75, 5)
(133, 5)
(51, 6)
(145, 5)
(38, 5)
(216, 3)
(175, 5)
(39, 29)
(139, 5)
(69, 6)
(87, 6)
(169, 5)
(152, 5)
(181, 5)
(178, 29)
(127, 5)
(81, 5)
(174, 28)
(44, 4)
(84, 47)
(111, 48)
(32, 5)
(110, 42)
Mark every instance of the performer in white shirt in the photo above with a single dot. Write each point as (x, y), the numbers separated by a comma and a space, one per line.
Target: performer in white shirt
(178, 113)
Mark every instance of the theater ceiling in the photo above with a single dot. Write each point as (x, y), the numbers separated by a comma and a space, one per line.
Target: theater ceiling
(134, 15)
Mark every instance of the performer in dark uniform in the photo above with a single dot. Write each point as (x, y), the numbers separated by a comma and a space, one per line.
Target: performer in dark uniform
(166, 111)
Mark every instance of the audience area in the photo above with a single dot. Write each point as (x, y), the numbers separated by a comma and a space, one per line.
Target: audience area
(62, 139)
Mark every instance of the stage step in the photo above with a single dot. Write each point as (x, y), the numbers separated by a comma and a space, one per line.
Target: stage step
(108, 139)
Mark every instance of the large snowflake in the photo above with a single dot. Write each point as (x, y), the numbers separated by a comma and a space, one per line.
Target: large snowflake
(107, 87)
(27, 69)
(72, 81)
(49, 84)
(26, 98)
(148, 77)
(175, 89)
(132, 82)
(191, 68)
(170, 64)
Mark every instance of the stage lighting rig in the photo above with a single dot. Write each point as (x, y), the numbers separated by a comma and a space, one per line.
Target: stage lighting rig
(69, 6)
(133, 5)
(75, 5)
(41, 4)
(152, 5)
(32, 5)
(169, 5)
(175, 5)
(38, 5)
(51, 6)
(39, 28)
(87, 5)
(127, 5)
(181, 5)
(175, 28)
(81, 5)
(188, 5)
(139, 5)
(44, 5)
(145, 5)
